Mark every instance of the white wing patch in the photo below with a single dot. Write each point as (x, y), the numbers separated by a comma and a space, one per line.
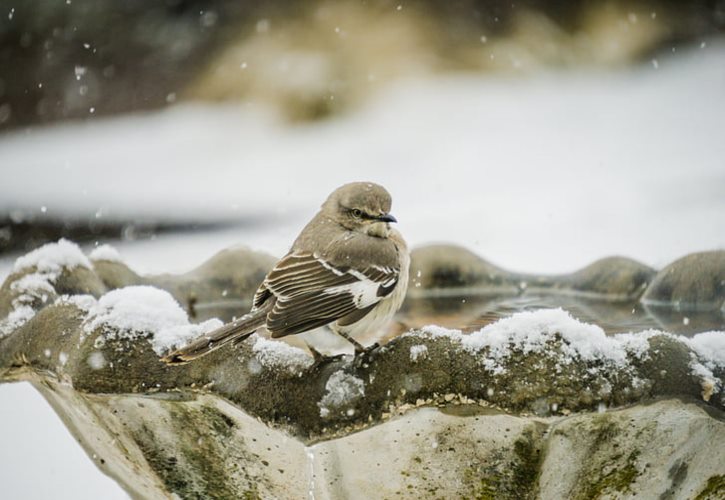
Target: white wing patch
(364, 292)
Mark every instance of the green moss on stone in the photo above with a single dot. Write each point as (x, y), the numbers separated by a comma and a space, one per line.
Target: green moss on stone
(163, 462)
(604, 431)
(221, 423)
(194, 467)
(715, 488)
(511, 474)
(486, 486)
(526, 469)
(488, 489)
(618, 479)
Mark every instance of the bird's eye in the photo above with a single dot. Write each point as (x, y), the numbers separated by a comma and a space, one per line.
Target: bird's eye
(357, 213)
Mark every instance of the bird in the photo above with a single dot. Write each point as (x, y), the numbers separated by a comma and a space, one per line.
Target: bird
(347, 269)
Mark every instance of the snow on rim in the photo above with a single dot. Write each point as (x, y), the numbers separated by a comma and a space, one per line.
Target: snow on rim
(105, 252)
(530, 331)
(37, 286)
(418, 352)
(710, 347)
(276, 354)
(52, 257)
(135, 311)
(709, 354)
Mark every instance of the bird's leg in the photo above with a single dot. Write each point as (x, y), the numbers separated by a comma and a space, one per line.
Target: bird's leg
(359, 348)
(321, 359)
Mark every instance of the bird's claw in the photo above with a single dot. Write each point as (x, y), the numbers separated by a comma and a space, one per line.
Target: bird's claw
(364, 355)
(362, 351)
(322, 359)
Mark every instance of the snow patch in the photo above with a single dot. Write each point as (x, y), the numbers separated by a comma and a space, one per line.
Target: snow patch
(710, 347)
(637, 344)
(105, 252)
(47, 262)
(418, 352)
(36, 285)
(530, 331)
(176, 336)
(708, 381)
(83, 302)
(53, 257)
(708, 355)
(341, 389)
(17, 318)
(137, 308)
(435, 331)
(144, 311)
(276, 354)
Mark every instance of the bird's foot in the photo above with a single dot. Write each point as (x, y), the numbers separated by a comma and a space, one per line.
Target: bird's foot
(362, 351)
(322, 359)
(365, 354)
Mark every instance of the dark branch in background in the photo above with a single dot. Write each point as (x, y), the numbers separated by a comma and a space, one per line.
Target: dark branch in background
(27, 234)
(58, 60)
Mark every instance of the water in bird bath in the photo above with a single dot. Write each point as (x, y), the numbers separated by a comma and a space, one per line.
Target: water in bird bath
(472, 311)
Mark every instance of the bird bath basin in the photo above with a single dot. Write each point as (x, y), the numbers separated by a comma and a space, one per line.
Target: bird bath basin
(522, 389)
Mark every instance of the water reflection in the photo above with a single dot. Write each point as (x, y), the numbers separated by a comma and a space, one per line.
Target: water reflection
(473, 310)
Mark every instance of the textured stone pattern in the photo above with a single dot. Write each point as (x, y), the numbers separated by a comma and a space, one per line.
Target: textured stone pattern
(200, 446)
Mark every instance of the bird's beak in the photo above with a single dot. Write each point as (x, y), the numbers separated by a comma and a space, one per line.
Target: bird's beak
(387, 218)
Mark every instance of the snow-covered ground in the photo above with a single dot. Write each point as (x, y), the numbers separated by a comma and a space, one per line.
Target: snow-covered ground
(543, 174)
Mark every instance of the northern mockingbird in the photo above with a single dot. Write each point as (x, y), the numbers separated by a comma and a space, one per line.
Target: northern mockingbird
(347, 269)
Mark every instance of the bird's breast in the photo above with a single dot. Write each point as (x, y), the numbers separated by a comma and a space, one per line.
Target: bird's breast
(378, 229)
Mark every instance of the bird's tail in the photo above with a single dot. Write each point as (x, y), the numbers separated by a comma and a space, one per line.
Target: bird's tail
(236, 331)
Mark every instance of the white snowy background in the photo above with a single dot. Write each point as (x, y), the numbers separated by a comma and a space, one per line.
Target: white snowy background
(542, 174)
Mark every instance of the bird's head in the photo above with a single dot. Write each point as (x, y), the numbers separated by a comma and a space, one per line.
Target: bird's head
(362, 207)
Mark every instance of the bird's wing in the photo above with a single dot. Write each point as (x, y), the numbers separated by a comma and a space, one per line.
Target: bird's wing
(309, 292)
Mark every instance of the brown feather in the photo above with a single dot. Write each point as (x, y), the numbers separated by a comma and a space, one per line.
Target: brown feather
(235, 331)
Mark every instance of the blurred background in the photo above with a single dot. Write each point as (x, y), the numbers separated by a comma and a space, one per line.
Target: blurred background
(310, 60)
(540, 134)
